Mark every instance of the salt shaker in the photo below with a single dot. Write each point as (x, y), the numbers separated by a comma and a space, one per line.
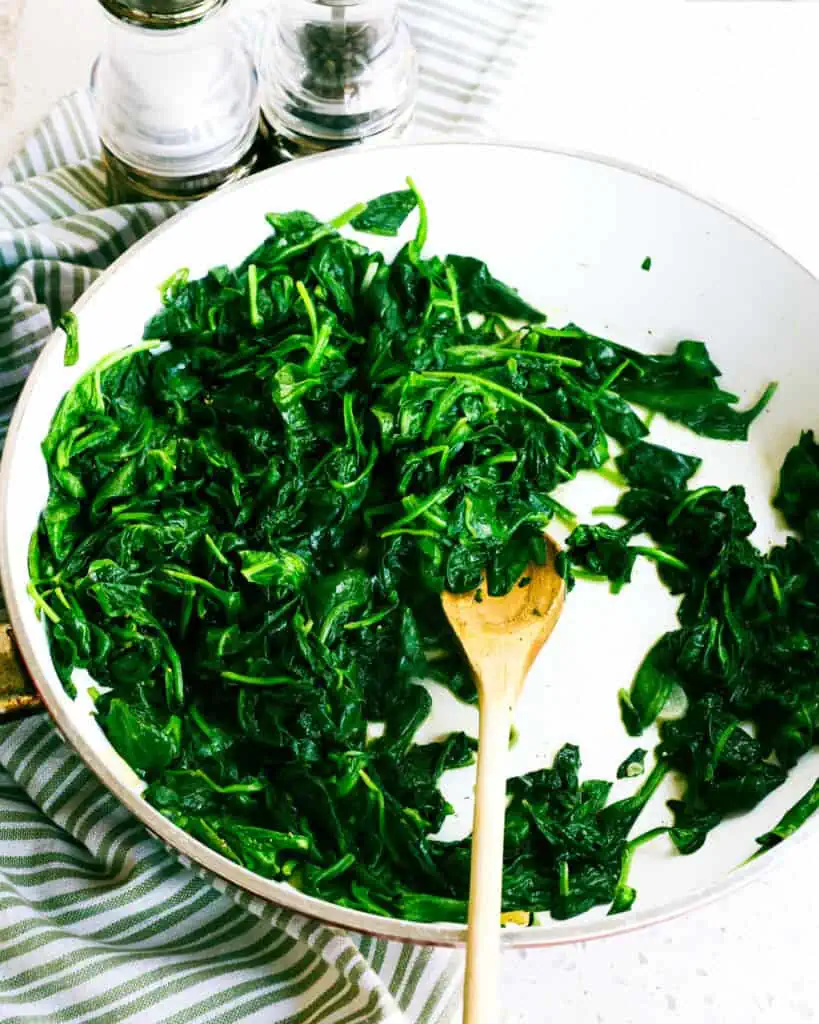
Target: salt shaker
(176, 97)
(335, 73)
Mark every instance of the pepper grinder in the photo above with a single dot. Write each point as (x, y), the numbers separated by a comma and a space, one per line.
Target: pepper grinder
(176, 98)
(335, 73)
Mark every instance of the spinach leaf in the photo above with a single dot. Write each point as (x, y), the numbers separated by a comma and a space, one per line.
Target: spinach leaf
(633, 765)
(68, 324)
(138, 736)
(480, 292)
(652, 685)
(386, 214)
(657, 468)
(602, 552)
(798, 493)
(792, 820)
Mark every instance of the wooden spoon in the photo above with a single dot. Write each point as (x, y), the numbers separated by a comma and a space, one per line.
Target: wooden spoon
(501, 637)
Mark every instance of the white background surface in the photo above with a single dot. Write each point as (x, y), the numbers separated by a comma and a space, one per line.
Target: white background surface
(721, 96)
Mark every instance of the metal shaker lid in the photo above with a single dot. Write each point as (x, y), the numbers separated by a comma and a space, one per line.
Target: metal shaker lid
(161, 13)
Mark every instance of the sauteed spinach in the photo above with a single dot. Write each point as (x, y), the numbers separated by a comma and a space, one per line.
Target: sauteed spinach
(252, 514)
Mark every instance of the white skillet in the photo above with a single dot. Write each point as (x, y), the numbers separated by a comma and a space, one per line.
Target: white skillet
(571, 232)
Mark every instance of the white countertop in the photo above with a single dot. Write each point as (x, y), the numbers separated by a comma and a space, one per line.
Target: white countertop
(722, 97)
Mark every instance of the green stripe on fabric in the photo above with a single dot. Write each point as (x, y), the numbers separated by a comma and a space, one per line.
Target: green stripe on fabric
(15, 931)
(22, 248)
(100, 808)
(181, 909)
(329, 1002)
(52, 140)
(91, 179)
(266, 998)
(230, 925)
(11, 212)
(113, 245)
(45, 137)
(9, 791)
(73, 129)
(58, 787)
(436, 996)
(28, 199)
(92, 144)
(70, 908)
(400, 969)
(11, 816)
(55, 858)
(344, 989)
(15, 738)
(28, 878)
(26, 164)
(22, 358)
(88, 795)
(38, 733)
(34, 831)
(127, 828)
(164, 980)
(92, 961)
(422, 960)
(379, 954)
(317, 1010)
(100, 1002)
(25, 771)
(191, 899)
(97, 232)
(73, 186)
(42, 192)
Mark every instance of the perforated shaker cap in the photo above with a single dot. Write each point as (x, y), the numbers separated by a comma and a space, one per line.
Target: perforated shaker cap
(161, 13)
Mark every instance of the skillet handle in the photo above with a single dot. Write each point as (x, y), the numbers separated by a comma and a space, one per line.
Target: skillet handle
(18, 698)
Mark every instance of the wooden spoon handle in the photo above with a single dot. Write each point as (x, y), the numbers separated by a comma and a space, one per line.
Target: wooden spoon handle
(483, 949)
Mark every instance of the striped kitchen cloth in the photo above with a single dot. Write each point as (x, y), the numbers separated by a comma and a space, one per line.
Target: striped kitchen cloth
(99, 923)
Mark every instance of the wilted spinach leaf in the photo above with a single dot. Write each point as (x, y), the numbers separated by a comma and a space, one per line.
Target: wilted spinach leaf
(386, 214)
(792, 820)
(68, 324)
(656, 468)
(633, 765)
(798, 493)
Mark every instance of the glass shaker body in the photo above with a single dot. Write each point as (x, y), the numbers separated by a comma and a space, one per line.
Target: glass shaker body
(334, 73)
(177, 107)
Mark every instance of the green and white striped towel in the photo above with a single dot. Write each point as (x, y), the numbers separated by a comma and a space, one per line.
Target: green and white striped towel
(99, 923)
